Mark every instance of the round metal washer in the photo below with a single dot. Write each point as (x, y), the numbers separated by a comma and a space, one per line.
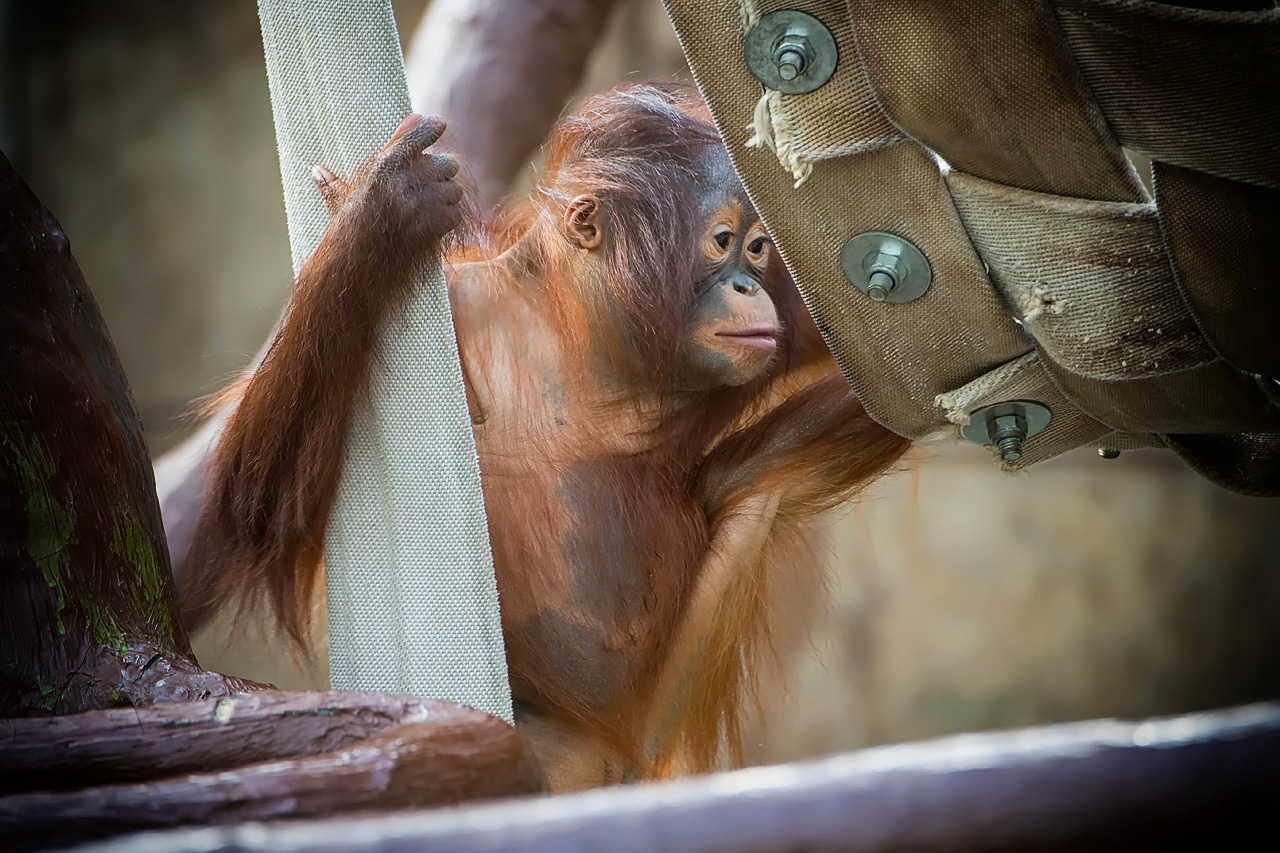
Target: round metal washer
(978, 430)
(818, 46)
(857, 256)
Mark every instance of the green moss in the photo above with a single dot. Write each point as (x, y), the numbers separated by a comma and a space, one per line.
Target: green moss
(48, 695)
(130, 542)
(50, 525)
(51, 532)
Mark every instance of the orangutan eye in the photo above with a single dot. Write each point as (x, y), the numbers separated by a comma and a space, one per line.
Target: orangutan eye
(722, 239)
(756, 248)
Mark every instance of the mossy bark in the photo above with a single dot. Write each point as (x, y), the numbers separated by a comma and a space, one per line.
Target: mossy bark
(88, 616)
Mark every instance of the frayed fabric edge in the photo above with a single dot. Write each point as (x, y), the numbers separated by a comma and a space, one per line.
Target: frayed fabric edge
(765, 133)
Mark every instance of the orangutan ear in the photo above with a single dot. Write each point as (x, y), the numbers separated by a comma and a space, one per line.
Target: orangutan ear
(582, 222)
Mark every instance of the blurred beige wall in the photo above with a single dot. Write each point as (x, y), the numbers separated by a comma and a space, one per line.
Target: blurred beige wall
(964, 598)
(967, 599)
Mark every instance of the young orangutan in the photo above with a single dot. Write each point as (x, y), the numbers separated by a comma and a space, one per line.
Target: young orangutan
(655, 416)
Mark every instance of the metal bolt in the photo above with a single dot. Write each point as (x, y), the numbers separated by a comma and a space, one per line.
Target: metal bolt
(791, 64)
(884, 271)
(885, 267)
(791, 52)
(880, 285)
(1007, 434)
(792, 57)
(1108, 453)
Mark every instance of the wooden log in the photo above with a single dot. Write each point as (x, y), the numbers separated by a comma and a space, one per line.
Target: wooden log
(500, 74)
(138, 744)
(427, 753)
(1203, 781)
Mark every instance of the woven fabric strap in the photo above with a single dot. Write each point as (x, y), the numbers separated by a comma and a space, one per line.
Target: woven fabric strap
(991, 134)
(412, 602)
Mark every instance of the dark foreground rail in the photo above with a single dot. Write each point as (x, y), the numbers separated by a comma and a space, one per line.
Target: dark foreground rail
(1203, 779)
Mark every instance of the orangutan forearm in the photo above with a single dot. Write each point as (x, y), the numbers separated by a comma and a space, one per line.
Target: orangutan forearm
(730, 568)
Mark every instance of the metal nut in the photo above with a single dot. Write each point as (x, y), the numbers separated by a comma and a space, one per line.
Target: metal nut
(885, 267)
(1007, 434)
(1007, 426)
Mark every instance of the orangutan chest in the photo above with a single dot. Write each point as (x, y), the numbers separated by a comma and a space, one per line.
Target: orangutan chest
(624, 558)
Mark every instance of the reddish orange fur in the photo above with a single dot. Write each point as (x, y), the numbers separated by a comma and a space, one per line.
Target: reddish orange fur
(796, 432)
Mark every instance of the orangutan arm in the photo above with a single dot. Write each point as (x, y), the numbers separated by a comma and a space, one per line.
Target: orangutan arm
(708, 624)
(817, 449)
(759, 486)
(275, 471)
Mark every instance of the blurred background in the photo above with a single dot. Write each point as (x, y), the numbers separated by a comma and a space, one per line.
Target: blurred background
(962, 599)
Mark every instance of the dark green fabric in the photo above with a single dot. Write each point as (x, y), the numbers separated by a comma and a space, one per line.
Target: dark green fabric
(1244, 462)
(1222, 237)
(1198, 89)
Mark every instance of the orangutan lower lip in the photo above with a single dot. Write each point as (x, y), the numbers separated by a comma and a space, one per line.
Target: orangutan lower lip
(756, 336)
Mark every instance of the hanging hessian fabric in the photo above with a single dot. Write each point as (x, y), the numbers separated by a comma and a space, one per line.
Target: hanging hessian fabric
(964, 166)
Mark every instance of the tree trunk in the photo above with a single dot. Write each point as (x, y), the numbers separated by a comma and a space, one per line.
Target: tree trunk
(87, 607)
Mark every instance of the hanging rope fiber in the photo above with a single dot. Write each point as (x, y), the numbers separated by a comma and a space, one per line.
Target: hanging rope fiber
(412, 601)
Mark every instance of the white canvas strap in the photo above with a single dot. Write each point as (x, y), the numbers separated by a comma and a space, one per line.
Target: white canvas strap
(412, 602)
